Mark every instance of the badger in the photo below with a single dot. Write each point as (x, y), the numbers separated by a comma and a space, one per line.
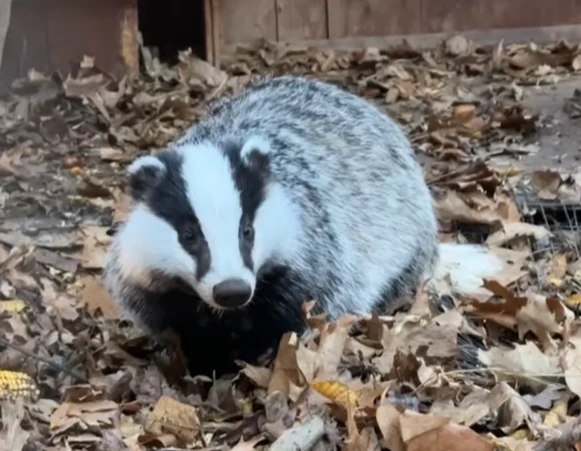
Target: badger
(292, 190)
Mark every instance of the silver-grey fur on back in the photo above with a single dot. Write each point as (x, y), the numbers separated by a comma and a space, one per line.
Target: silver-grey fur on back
(369, 232)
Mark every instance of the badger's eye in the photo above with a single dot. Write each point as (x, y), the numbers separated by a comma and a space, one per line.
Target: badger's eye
(189, 236)
(248, 232)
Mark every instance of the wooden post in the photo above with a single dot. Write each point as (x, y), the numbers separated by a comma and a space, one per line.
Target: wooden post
(212, 27)
(5, 7)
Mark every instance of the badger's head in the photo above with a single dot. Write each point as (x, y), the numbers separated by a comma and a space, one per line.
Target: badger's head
(205, 214)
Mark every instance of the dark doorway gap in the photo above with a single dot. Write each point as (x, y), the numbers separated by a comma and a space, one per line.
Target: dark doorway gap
(171, 26)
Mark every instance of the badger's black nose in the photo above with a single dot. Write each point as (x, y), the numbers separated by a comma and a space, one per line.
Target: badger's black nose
(232, 293)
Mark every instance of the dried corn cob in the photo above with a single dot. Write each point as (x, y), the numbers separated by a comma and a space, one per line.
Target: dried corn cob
(14, 384)
(12, 306)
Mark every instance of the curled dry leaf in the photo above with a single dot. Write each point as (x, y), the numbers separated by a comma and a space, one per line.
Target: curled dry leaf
(287, 376)
(175, 418)
(259, 375)
(546, 184)
(513, 410)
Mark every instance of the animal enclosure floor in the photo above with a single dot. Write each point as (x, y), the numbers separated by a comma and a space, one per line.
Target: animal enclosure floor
(560, 140)
(477, 118)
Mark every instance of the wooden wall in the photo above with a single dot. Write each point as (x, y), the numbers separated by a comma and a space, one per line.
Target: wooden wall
(305, 20)
(49, 35)
(54, 34)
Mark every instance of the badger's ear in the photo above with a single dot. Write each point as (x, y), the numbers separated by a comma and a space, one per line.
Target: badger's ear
(144, 174)
(255, 152)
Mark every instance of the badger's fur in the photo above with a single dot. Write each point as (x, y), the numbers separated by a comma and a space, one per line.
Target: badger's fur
(296, 189)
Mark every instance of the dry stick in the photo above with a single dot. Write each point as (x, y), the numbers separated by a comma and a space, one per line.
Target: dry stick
(56, 366)
(300, 438)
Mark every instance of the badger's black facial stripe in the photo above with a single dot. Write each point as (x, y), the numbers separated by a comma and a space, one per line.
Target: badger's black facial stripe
(169, 201)
(251, 180)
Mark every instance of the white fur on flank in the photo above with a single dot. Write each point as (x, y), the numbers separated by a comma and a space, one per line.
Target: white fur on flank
(147, 242)
(216, 201)
(466, 265)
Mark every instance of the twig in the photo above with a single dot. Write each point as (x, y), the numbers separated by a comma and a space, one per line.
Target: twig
(39, 358)
(300, 438)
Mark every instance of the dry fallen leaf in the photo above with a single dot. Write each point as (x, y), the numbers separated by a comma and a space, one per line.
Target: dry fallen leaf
(512, 409)
(173, 417)
(546, 184)
(451, 437)
(96, 298)
(95, 244)
(514, 230)
(558, 270)
(411, 431)
(526, 364)
(91, 414)
(573, 366)
(388, 418)
(247, 445)
(12, 436)
(259, 375)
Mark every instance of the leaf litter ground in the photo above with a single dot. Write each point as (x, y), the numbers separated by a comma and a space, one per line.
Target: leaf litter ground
(500, 369)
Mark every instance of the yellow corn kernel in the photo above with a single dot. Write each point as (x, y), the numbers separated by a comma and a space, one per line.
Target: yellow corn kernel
(14, 384)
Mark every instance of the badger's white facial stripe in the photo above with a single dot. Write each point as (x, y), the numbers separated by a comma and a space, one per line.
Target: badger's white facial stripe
(147, 242)
(215, 200)
(277, 227)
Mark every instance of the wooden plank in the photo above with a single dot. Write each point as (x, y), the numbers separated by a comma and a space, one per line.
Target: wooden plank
(93, 28)
(247, 21)
(129, 44)
(5, 9)
(26, 46)
(460, 15)
(359, 18)
(540, 35)
(301, 19)
(216, 31)
(209, 31)
(212, 31)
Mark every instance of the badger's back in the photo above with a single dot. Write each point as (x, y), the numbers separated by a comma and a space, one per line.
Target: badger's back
(368, 230)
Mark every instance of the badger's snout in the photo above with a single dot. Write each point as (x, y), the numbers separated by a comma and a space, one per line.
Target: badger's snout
(232, 293)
